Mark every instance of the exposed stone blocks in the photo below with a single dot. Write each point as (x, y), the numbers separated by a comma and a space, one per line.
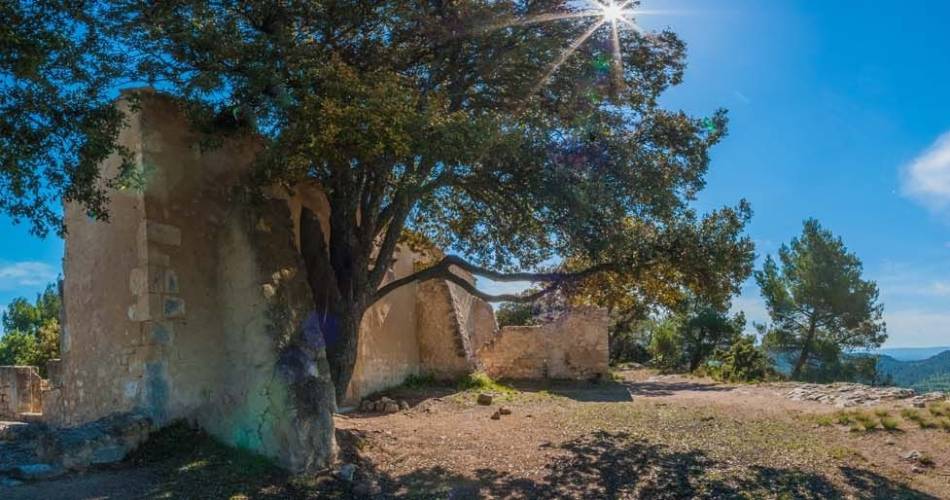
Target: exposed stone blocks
(573, 346)
(20, 392)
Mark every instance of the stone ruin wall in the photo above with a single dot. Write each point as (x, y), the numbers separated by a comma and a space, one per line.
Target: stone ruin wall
(20, 393)
(183, 304)
(572, 346)
(191, 303)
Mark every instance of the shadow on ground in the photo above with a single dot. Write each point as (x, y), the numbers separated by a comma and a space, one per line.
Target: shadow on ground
(616, 465)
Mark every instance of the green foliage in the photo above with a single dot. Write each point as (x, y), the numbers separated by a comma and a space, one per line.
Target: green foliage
(666, 345)
(630, 340)
(57, 121)
(819, 305)
(515, 314)
(31, 331)
(889, 423)
(480, 381)
(706, 329)
(743, 362)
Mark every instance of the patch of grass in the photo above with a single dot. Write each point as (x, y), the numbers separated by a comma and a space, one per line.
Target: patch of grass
(422, 381)
(480, 381)
(843, 418)
(825, 420)
(938, 410)
(889, 423)
(882, 412)
(911, 414)
(866, 421)
(925, 423)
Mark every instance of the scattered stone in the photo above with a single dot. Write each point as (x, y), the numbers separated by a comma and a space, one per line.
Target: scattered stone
(367, 405)
(391, 407)
(919, 404)
(496, 415)
(380, 406)
(504, 410)
(484, 399)
(346, 472)
(384, 399)
(912, 456)
(846, 395)
(403, 405)
(916, 470)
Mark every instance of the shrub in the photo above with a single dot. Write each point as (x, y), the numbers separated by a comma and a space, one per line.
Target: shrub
(889, 423)
(843, 418)
(666, 346)
(743, 362)
(867, 422)
(938, 410)
(825, 420)
(911, 414)
(881, 412)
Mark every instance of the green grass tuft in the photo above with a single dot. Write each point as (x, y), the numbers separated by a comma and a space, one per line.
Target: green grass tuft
(889, 423)
(480, 381)
(881, 412)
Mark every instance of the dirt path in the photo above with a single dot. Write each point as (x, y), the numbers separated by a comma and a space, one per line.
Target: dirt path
(643, 436)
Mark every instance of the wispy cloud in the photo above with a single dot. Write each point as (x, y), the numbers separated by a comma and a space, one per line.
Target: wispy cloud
(27, 274)
(927, 178)
(917, 327)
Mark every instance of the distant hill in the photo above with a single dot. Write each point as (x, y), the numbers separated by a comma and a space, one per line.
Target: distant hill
(912, 353)
(926, 375)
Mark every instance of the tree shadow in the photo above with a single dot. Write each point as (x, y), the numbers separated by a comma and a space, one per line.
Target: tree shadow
(654, 389)
(616, 465)
(596, 391)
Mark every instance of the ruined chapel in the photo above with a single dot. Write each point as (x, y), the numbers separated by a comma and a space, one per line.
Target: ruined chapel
(192, 304)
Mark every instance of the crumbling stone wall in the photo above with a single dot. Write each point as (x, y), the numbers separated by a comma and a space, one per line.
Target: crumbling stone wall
(20, 392)
(572, 346)
(192, 303)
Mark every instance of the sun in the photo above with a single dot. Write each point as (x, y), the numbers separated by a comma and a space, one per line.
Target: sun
(612, 11)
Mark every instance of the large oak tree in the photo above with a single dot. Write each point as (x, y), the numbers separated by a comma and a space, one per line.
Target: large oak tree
(485, 127)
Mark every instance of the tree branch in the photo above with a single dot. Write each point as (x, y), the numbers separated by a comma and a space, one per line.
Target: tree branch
(443, 270)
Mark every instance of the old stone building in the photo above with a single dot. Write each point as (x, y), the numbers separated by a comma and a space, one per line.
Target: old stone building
(191, 303)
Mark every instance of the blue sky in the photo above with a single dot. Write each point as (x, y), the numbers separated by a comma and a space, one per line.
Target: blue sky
(837, 112)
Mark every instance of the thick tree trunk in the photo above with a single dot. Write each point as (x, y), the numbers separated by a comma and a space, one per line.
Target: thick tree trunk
(339, 319)
(802, 359)
(806, 351)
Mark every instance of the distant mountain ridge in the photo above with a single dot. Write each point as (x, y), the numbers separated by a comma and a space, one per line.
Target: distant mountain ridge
(926, 375)
(912, 353)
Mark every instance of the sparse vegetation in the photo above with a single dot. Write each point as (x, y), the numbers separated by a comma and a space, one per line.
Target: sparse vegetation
(889, 423)
(480, 381)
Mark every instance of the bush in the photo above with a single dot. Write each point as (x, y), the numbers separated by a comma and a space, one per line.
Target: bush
(666, 345)
(889, 423)
(743, 362)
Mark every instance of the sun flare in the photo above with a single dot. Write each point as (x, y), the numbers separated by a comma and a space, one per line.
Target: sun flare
(612, 11)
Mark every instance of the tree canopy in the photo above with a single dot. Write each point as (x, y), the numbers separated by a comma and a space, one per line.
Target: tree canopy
(31, 330)
(818, 302)
(511, 132)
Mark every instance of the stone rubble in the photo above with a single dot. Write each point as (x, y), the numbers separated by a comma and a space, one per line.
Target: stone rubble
(845, 395)
(383, 405)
